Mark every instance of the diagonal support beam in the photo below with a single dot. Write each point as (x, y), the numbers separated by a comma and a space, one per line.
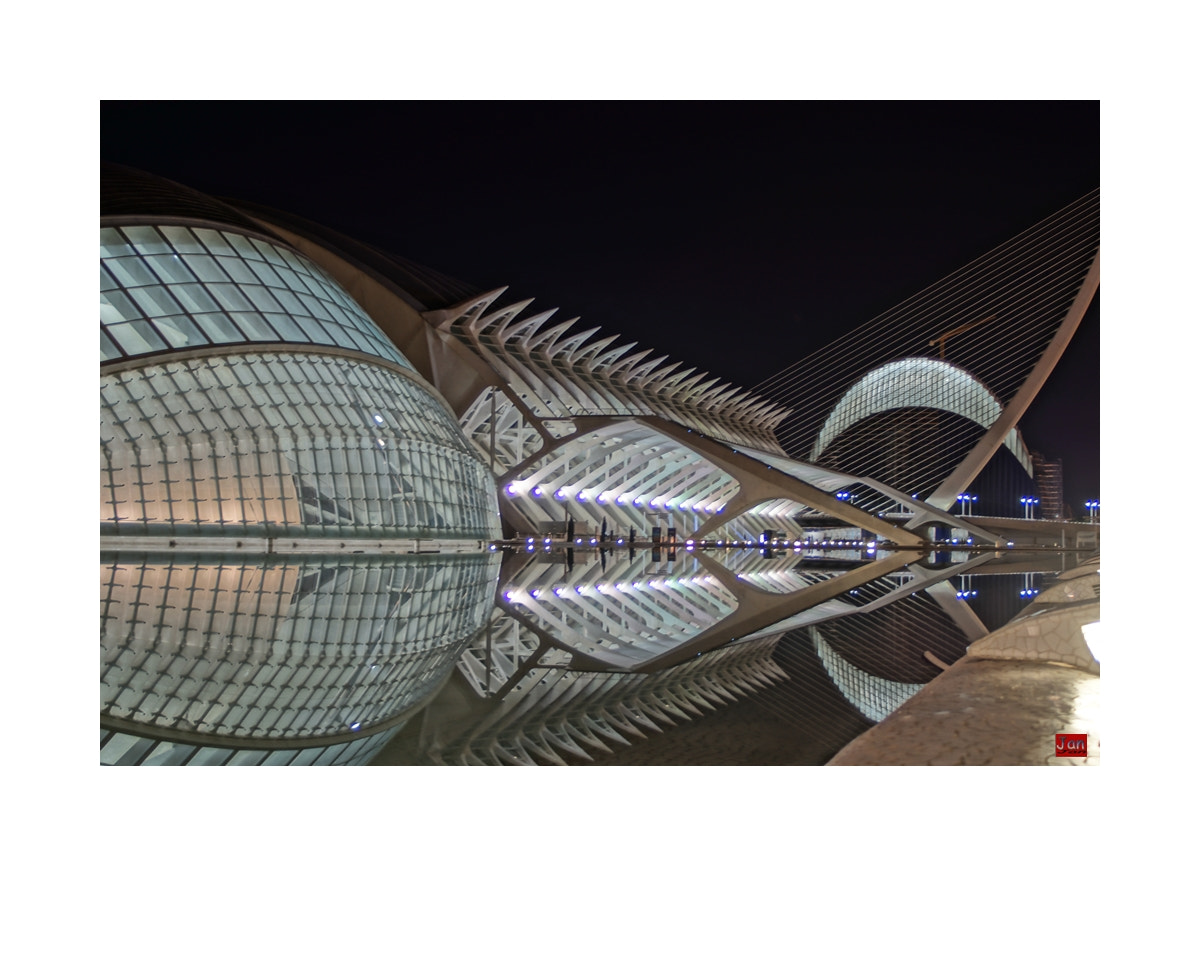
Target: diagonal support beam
(986, 448)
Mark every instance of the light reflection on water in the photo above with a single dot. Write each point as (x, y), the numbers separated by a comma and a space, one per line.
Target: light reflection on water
(514, 657)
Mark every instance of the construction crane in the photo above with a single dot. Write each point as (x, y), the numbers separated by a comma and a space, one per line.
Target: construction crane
(940, 341)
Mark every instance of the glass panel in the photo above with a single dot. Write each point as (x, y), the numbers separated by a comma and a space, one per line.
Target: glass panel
(307, 756)
(169, 753)
(214, 241)
(266, 275)
(180, 331)
(108, 348)
(194, 298)
(269, 252)
(242, 245)
(281, 757)
(206, 268)
(211, 756)
(231, 298)
(155, 300)
(238, 270)
(255, 327)
(219, 328)
(181, 239)
(124, 749)
(145, 239)
(115, 306)
(136, 338)
(113, 244)
(261, 298)
(312, 331)
(287, 328)
(131, 276)
(248, 758)
(170, 268)
(131, 271)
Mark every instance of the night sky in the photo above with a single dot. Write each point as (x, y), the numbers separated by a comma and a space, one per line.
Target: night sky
(735, 236)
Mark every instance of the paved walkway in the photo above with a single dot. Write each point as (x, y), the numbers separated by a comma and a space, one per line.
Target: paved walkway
(987, 712)
(1017, 688)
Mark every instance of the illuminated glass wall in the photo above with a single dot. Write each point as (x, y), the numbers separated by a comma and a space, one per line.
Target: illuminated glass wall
(279, 649)
(285, 443)
(169, 287)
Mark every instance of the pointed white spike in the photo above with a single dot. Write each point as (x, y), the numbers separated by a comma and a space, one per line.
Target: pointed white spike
(464, 313)
(550, 334)
(523, 329)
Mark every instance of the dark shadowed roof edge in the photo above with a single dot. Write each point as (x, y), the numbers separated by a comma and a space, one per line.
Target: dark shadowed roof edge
(430, 288)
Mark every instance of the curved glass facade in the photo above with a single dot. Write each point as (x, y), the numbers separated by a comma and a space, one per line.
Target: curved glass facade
(285, 443)
(120, 748)
(166, 288)
(278, 648)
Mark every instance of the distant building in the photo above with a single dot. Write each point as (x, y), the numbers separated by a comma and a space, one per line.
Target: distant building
(1048, 474)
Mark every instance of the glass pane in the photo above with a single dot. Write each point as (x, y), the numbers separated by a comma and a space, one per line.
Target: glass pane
(108, 348)
(269, 252)
(180, 331)
(247, 758)
(211, 756)
(124, 750)
(170, 268)
(231, 298)
(262, 299)
(146, 239)
(313, 331)
(115, 306)
(206, 268)
(113, 244)
(194, 298)
(181, 239)
(155, 300)
(267, 275)
(237, 269)
(255, 327)
(307, 756)
(131, 271)
(168, 753)
(219, 328)
(136, 337)
(214, 241)
(289, 302)
(242, 245)
(287, 328)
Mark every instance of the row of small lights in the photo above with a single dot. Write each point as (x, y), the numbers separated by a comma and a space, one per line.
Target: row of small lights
(797, 546)
(602, 588)
(565, 493)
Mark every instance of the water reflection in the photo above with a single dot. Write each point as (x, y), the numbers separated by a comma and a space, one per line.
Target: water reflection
(271, 654)
(530, 657)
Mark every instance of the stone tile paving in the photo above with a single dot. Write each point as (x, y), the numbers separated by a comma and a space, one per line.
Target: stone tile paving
(987, 712)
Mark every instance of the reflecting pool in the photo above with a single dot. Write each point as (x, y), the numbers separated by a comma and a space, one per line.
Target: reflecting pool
(535, 654)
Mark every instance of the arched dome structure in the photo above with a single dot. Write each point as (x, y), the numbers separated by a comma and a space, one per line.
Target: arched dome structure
(917, 383)
(250, 405)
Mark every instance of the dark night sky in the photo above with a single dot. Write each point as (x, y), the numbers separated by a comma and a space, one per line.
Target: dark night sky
(736, 236)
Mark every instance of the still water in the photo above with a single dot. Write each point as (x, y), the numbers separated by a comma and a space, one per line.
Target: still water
(533, 656)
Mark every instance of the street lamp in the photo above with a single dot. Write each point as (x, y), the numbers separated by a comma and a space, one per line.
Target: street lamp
(964, 503)
(1029, 502)
(1093, 507)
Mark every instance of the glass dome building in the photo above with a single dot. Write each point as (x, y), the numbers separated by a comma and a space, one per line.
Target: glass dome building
(257, 428)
